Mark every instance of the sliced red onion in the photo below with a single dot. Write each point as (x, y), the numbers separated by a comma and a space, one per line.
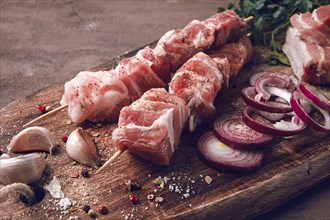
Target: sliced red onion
(279, 92)
(281, 100)
(231, 130)
(271, 81)
(275, 107)
(260, 124)
(222, 157)
(271, 116)
(299, 109)
(256, 76)
(315, 96)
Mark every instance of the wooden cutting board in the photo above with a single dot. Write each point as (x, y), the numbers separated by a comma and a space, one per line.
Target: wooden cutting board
(290, 167)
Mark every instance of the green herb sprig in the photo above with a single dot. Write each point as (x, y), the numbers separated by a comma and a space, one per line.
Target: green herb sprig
(270, 19)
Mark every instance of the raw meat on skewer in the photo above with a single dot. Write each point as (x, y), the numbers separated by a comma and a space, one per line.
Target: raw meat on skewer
(93, 95)
(236, 53)
(176, 47)
(151, 126)
(197, 83)
(172, 50)
(199, 80)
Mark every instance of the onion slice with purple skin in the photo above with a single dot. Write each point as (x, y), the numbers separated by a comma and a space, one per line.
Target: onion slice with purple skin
(279, 92)
(266, 74)
(224, 158)
(270, 115)
(299, 109)
(275, 107)
(315, 96)
(262, 125)
(270, 81)
(232, 131)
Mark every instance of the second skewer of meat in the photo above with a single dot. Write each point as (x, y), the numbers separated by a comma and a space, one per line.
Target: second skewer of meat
(99, 96)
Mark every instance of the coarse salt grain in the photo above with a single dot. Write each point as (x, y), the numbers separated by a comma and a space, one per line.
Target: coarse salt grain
(64, 203)
(208, 180)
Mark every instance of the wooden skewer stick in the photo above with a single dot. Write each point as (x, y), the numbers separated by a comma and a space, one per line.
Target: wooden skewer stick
(46, 115)
(113, 158)
(248, 19)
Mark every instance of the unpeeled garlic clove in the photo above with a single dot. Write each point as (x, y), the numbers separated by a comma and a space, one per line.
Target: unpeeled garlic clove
(4, 156)
(80, 147)
(32, 139)
(22, 169)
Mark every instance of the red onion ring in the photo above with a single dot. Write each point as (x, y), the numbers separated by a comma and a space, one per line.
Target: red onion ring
(232, 131)
(275, 107)
(222, 157)
(299, 109)
(271, 116)
(260, 124)
(266, 74)
(271, 81)
(279, 92)
(315, 96)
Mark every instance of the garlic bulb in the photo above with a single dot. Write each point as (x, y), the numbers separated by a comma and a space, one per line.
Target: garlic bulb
(32, 139)
(80, 147)
(22, 169)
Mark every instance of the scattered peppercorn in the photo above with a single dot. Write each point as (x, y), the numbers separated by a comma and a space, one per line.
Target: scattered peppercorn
(65, 138)
(133, 199)
(41, 108)
(150, 196)
(86, 208)
(85, 173)
(132, 186)
(92, 213)
(103, 210)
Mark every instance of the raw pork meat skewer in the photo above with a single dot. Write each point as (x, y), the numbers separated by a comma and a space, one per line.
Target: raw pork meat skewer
(151, 126)
(149, 68)
(199, 80)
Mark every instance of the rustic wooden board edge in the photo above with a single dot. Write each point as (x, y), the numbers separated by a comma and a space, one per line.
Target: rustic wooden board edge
(237, 206)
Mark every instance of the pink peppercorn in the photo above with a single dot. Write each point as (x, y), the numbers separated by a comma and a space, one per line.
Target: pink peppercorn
(103, 210)
(133, 199)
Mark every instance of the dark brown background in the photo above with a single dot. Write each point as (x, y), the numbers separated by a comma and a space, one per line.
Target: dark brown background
(43, 43)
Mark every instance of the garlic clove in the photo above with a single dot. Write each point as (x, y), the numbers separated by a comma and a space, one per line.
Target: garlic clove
(32, 139)
(4, 156)
(80, 147)
(22, 169)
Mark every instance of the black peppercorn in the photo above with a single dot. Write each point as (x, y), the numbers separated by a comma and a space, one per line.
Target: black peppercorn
(86, 208)
(85, 173)
(133, 186)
